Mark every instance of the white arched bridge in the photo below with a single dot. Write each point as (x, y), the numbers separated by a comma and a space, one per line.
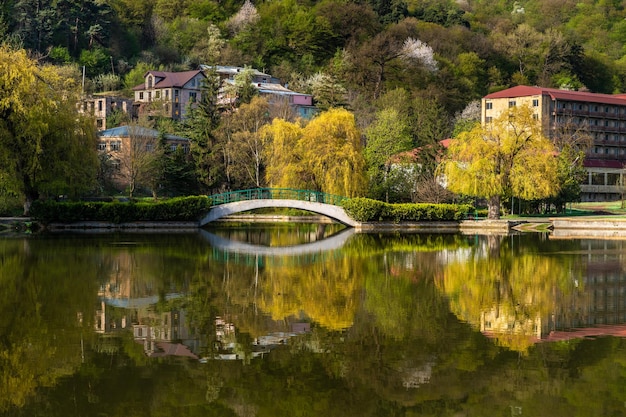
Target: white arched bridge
(234, 202)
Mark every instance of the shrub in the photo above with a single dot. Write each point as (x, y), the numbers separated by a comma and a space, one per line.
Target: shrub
(363, 209)
(367, 210)
(175, 209)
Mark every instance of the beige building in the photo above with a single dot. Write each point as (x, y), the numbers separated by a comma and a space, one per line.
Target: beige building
(601, 116)
(101, 107)
(168, 94)
(129, 147)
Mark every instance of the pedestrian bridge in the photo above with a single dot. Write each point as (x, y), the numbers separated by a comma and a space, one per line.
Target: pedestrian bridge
(234, 202)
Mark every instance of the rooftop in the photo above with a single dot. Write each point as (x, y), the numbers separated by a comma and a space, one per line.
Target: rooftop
(558, 94)
(126, 131)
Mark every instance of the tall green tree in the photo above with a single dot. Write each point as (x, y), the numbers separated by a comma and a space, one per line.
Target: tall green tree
(388, 135)
(45, 145)
(200, 127)
(507, 157)
(246, 144)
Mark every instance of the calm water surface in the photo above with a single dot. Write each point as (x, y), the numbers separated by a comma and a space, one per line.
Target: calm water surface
(311, 321)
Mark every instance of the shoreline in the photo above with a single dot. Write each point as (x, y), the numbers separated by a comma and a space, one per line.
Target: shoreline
(597, 226)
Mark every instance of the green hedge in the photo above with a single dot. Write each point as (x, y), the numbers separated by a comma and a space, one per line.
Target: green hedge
(368, 210)
(175, 209)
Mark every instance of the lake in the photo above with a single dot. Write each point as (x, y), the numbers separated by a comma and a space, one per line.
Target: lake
(311, 320)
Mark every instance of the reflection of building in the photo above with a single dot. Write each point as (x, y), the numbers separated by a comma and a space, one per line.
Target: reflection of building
(596, 306)
(600, 116)
(228, 348)
(162, 333)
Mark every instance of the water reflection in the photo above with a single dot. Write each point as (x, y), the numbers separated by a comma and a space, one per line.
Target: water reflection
(386, 324)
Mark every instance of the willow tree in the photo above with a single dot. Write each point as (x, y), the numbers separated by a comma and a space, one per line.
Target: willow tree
(332, 152)
(45, 145)
(325, 155)
(507, 157)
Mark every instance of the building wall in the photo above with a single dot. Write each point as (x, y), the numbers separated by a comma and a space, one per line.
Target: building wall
(604, 123)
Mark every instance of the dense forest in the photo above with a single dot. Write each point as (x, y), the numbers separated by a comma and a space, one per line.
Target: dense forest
(417, 65)
(451, 51)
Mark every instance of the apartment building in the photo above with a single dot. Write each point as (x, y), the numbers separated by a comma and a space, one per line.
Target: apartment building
(268, 87)
(600, 116)
(168, 94)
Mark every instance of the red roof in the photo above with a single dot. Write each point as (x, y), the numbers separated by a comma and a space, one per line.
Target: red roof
(603, 163)
(169, 79)
(557, 94)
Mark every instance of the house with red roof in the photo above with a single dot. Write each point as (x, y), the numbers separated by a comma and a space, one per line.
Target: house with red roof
(599, 117)
(168, 94)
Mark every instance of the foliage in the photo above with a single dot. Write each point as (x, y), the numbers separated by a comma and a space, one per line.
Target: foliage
(45, 147)
(175, 209)
(325, 155)
(368, 210)
(386, 137)
(508, 157)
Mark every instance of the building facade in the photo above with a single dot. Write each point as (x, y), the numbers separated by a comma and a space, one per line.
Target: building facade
(126, 147)
(168, 94)
(269, 87)
(601, 117)
(101, 107)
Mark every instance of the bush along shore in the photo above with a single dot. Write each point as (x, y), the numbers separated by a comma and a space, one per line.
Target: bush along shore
(181, 209)
(185, 212)
(368, 210)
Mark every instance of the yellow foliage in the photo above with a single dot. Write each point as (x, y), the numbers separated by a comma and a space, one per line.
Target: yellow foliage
(509, 156)
(325, 155)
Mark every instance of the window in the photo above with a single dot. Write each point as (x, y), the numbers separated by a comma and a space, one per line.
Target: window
(173, 147)
(150, 81)
(192, 96)
(157, 94)
(536, 102)
(488, 119)
(141, 95)
(149, 147)
(115, 145)
(99, 105)
(511, 103)
(597, 178)
(535, 116)
(488, 105)
(102, 146)
(167, 94)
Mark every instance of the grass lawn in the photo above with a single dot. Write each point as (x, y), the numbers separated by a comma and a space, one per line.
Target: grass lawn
(599, 207)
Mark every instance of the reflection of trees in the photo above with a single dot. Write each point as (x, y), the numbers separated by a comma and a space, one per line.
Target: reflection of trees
(508, 291)
(41, 326)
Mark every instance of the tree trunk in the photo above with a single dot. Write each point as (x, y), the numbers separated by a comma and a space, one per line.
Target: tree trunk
(30, 194)
(493, 206)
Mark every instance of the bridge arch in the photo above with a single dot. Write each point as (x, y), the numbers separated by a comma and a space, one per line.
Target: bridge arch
(334, 212)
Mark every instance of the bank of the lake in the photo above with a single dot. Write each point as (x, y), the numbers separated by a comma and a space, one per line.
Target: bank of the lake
(559, 226)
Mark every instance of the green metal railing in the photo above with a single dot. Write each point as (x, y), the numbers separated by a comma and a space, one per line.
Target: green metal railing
(276, 194)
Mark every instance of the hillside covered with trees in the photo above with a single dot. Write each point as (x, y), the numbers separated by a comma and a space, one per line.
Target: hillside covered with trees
(410, 72)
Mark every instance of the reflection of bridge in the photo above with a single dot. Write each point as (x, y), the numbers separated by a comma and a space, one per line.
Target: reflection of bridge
(333, 242)
(245, 200)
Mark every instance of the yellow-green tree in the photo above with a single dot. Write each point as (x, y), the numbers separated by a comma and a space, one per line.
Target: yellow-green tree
(282, 160)
(332, 152)
(325, 155)
(45, 145)
(508, 156)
